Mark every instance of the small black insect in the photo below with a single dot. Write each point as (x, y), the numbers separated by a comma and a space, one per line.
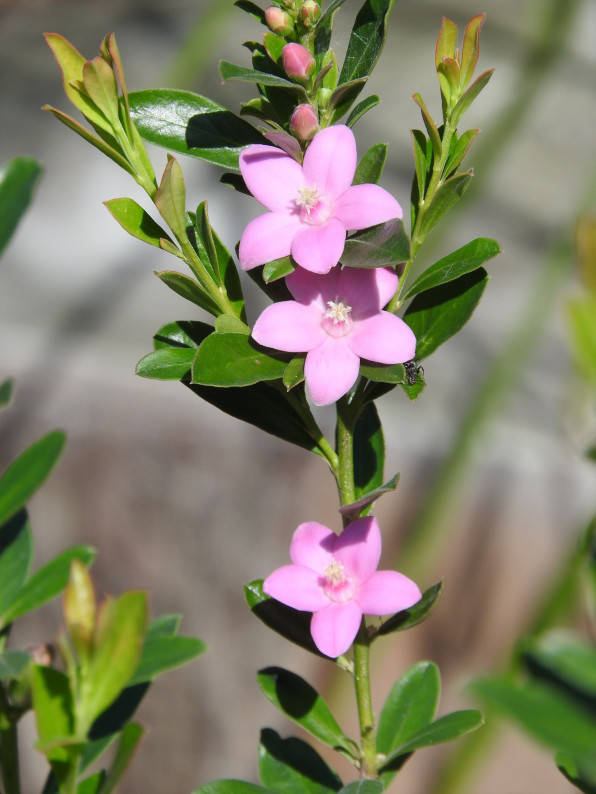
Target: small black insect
(413, 371)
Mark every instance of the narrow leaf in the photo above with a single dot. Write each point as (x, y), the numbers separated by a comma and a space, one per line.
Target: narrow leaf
(366, 39)
(18, 178)
(384, 245)
(130, 739)
(408, 618)
(290, 765)
(170, 198)
(231, 71)
(165, 653)
(371, 165)
(430, 125)
(357, 508)
(134, 220)
(361, 108)
(16, 555)
(369, 452)
(187, 288)
(471, 94)
(53, 706)
(459, 151)
(470, 47)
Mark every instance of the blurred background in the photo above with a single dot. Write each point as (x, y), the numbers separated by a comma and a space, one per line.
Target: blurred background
(189, 503)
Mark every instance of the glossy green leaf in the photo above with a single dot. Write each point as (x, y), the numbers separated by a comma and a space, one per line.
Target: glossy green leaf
(459, 151)
(234, 360)
(302, 704)
(366, 39)
(187, 123)
(291, 624)
(383, 245)
(383, 373)
(17, 181)
(110, 722)
(422, 162)
(100, 84)
(446, 41)
(92, 784)
(48, 582)
(165, 653)
(16, 555)
(408, 618)
(6, 389)
(232, 787)
(363, 787)
(582, 775)
(12, 663)
(371, 165)
(187, 288)
(361, 108)
(444, 199)
(410, 706)
(566, 661)
(130, 739)
(168, 363)
(278, 268)
(551, 717)
(134, 220)
(471, 94)
(232, 71)
(294, 372)
(163, 626)
(171, 197)
(290, 765)
(251, 8)
(228, 324)
(184, 333)
(362, 506)
(343, 97)
(437, 314)
(25, 475)
(369, 452)
(465, 260)
(53, 706)
(118, 642)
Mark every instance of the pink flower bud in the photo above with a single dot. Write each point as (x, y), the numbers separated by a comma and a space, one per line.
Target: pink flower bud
(297, 61)
(309, 13)
(279, 21)
(304, 122)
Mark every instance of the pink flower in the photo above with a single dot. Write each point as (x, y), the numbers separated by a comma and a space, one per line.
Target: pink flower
(336, 578)
(337, 319)
(311, 206)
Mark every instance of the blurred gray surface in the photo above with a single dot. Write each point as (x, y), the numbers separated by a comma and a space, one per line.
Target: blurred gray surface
(190, 504)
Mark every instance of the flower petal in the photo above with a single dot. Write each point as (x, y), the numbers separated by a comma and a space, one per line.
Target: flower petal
(362, 206)
(334, 628)
(386, 592)
(290, 326)
(358, 548)
(330, 370)
(266, 238)
(272, 176)
(296, 587)
(330, 161)
(312, 546)
(318, 248)
(313, 288)
(367, 290)
(383, 338)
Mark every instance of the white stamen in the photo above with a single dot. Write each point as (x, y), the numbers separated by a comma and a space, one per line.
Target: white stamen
(308, 197)
(338, 311)
(335, 573)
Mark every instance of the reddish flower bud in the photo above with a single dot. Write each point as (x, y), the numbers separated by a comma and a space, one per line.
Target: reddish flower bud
(310, 12)
(304, 122)
(297, 61)
(279, 21)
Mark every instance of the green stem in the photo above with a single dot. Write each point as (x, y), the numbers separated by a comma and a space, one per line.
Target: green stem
(345, 453)
(9, 751)
(217, 294)
(366, 719)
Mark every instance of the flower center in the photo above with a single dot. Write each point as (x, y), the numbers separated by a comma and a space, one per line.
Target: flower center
(314, 209)
(337, 320)
(337, 586)
(308, 197)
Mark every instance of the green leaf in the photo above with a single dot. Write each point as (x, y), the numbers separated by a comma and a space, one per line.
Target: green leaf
(471, 94)
(17, 181)
(342, 98)
(228, 324)
(234, 360)
(278, 268)
(369, 452)
(582, 775)
(171, 196)
(356, 509)
(290, 765)
(188, 288)
(294, 372)
(383, 245)
(383, 373)
(551, 717)
(371, 165)
(47, 583)
(408, 618)
(422, 162)
(129, 741)
(439, 313)
(444, 199)
(253, 9)
(16, 555)
(362, 108)
(169, 363)
(134, 220)
(118, 641)
(289, 623)
(187, 123)
(165, 653)
(366, 39)
(92, 784)
(232, 71)
(567, 662)
(232, 787)
(301, 703)
(53, 706)
(184, 333)
(6, 388)
(459, 151)
(12, 663)
(363, 787)
(465, 260)
(431, 127)
(445, 729)
(164, 626)
(25, 475)
(410, 706)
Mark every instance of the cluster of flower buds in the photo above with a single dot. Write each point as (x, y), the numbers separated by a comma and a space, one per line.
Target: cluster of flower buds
(295, 20)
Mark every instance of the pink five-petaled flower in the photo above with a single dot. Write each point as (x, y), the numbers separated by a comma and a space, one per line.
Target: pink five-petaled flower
(336, 578)
(311, 206)
(337, 319)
